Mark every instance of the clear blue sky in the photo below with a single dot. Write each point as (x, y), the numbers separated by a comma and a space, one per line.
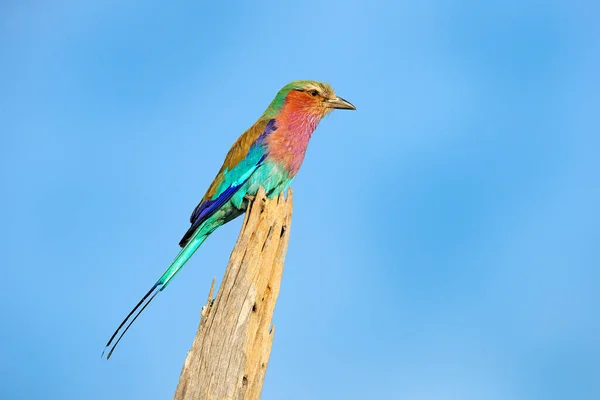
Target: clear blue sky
(445, 241)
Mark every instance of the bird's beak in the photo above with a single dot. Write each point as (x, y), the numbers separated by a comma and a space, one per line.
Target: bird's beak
(340, 103)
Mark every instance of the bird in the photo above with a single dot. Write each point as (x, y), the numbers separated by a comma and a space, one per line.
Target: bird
(269, 155)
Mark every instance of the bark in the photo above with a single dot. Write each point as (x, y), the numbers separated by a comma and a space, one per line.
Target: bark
(230, 354)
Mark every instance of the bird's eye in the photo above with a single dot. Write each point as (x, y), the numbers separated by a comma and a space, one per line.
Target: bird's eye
(314, 93)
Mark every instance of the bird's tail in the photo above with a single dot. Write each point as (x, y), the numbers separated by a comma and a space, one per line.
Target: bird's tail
(183, 256)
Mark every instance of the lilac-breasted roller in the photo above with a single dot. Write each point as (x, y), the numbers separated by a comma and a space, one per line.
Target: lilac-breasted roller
(269, 154)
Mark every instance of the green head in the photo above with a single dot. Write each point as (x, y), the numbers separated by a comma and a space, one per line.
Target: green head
(307, 96)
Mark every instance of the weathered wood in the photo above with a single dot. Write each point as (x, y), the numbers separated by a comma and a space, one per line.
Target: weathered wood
(230, 354)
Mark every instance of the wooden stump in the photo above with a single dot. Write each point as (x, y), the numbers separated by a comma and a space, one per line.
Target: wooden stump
(230, 354)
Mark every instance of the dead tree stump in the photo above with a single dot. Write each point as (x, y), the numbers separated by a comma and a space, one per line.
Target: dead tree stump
(230, 354)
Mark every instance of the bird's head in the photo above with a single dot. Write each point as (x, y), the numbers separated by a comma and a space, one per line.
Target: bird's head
(309, 97)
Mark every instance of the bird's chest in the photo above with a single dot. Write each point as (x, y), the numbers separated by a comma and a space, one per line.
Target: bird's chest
(288, 148)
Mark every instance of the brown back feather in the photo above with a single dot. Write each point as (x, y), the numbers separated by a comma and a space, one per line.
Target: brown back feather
(236, 153)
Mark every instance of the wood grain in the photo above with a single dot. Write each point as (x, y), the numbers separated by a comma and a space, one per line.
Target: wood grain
(230, 354)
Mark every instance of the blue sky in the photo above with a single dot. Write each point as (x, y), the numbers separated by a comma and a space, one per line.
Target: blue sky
(445, 240)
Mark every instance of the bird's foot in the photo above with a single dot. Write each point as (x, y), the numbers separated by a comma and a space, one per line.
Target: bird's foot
(252, 199)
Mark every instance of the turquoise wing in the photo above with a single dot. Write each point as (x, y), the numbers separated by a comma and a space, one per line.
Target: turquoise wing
(231, 182)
